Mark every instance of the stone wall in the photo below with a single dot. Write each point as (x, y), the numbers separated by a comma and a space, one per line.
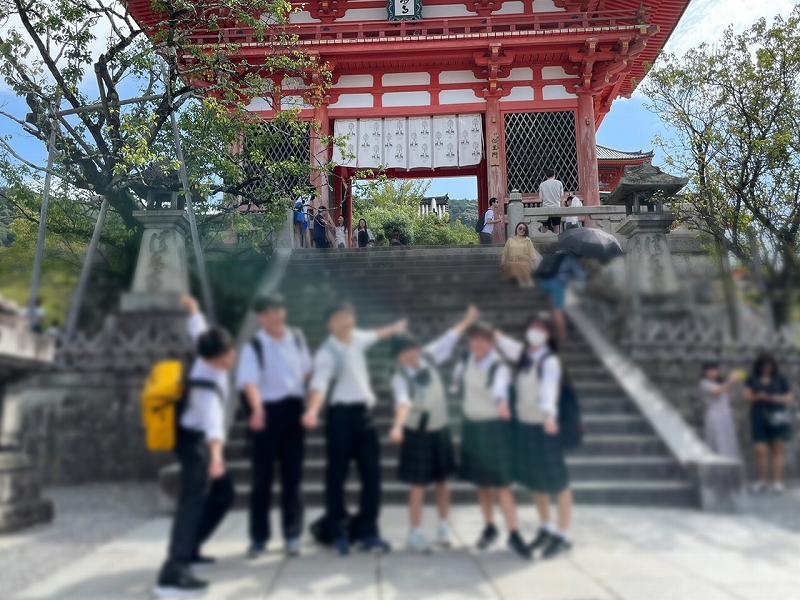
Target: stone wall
(82, 427)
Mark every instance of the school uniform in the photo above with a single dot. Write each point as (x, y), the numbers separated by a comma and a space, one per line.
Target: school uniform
(426, 454)
(486, 439)
(279, 368)
(341, 375)
(539, 461)
(202, 504)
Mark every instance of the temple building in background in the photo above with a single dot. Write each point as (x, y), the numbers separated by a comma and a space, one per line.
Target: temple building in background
(495, 89)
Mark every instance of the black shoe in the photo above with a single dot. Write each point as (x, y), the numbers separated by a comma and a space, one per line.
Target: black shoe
(256, 550)
(178, 582)
(557, 545)
(518, 546)
(542, 537)
(198, 560)
(488, 537)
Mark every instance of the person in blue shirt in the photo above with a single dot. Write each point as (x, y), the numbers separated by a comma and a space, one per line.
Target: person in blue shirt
(568, 269)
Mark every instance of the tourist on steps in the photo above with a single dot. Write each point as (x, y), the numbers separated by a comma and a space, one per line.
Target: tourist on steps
(551, 191)
(718, 425)
(271, 377)
(341, 377)
(341, 233)
(486, 440)
(490, 219)
(362, 236)
(770, 399)
(540, 464)
(421, 427)
(520, 258)
(206, 489)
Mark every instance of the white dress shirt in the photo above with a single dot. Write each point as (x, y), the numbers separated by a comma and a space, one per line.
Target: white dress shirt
(439, 351)
(347, 365)
(550, 380)
(576, 203)
(287, 363)
(205, 408)
(489, 216)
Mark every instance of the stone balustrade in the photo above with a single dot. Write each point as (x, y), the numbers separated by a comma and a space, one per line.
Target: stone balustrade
(607, 218)
(19, 346)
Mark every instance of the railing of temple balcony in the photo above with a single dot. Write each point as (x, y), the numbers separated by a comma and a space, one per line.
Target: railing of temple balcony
(356, 31)
(607, 218)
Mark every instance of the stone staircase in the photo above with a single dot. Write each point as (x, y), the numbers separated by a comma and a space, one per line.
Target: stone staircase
(622, 460)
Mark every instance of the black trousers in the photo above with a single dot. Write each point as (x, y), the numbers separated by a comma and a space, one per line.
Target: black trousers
(282, 441)
(487, 239)
(350, 435)
(202, 503)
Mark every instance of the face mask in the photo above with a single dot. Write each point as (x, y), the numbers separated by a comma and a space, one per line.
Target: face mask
(536, 337)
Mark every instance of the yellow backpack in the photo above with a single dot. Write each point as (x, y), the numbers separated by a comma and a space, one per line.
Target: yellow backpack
(162, 398)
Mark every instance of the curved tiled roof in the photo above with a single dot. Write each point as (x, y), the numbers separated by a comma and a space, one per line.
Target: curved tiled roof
(606, 153)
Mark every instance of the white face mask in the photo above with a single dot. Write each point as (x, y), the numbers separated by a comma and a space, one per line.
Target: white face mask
(536, 337)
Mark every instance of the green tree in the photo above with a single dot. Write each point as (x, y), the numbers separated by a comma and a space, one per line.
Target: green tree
(734, 109)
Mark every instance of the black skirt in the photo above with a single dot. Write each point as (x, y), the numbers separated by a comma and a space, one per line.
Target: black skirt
(539, 462)
(426, 457)
(486, 453)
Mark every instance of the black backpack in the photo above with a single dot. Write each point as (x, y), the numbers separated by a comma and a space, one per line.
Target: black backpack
(549, 266)
(570, 422)
(480, 223)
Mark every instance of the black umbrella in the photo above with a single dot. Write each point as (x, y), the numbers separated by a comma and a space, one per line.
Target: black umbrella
(588, 242)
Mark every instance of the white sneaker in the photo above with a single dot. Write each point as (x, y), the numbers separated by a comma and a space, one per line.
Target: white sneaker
(758, 488)
(293, 547)
(444, 536)
(777, 488)
(417, 542)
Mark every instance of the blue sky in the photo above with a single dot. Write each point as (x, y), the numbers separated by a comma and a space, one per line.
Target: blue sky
(629, 126)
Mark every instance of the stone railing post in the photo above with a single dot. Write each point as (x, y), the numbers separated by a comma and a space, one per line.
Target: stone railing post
(515, 212)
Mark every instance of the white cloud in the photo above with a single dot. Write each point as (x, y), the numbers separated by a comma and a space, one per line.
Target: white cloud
(706, 20)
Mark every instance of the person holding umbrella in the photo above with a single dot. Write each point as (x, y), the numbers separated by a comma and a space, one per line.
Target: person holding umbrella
(558, 270)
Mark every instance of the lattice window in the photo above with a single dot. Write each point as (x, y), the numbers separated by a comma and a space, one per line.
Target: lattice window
(285, 164)
(537, 141)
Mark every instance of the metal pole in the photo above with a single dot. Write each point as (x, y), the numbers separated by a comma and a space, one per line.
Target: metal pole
(198, 250)
(77, 298)
(40, 239)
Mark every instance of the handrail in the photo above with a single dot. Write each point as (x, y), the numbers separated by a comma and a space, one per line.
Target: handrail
(448, 26)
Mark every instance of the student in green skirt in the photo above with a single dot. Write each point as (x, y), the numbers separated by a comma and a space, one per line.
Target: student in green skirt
(486, 441)
(421, 426)
(540, 462)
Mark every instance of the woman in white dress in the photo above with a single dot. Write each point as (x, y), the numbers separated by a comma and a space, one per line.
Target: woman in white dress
(719, 427)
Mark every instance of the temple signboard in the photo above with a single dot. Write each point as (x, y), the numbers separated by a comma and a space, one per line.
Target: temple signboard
(404, 10)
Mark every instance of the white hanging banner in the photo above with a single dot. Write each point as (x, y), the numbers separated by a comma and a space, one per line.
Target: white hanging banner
(345, 149)
(395, 149)
(470, 140)
(445, 141)
(370, 143)
(420, 139)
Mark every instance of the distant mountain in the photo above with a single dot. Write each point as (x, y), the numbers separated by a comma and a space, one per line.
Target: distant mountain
(464, 209)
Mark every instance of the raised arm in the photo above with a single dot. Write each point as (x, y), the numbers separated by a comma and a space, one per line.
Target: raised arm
(397, 328)
(441, 349)
(508, 347)
(196, 325)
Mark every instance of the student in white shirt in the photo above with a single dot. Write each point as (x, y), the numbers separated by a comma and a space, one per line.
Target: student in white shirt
(551, 191)
(421, 426)
(206, 489)
(340, 375)
(572, 202)
(341, 233)
(490, 219)
(486, 440)
(541, 465)
(272, 377)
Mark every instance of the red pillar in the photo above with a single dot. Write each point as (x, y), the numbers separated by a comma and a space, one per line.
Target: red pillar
(495, 160)
(587, 150)
(319, 154)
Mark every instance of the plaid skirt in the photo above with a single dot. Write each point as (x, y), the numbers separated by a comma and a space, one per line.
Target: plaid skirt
(486, 453)
(426, 457)
(539, 462)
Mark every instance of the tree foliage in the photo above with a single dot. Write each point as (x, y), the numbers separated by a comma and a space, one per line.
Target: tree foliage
(735, 111)
(391, 205)
(71, 54)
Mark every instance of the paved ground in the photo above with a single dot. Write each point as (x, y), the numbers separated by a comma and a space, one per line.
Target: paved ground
(622, 554)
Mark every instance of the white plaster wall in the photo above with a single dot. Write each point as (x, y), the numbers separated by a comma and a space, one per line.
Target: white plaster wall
(458, 97)
(446, 10)
(302, 17)
(365, 14)
(519, 94)
(458, 77)
(392, 79)
(293, 83)
(555, 73)
(510, 8)
(294, 103)
(519, 74)
(546, 6)
(258, 104)
(407, 99)
(353, 81)
(556, 92)
(354, 101)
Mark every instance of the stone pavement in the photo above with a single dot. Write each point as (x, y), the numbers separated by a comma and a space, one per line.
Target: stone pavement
(621, 554)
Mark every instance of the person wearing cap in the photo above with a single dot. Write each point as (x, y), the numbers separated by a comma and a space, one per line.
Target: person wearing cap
(421, 426)
(271, 377)
(487, 435)
(341, 377)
